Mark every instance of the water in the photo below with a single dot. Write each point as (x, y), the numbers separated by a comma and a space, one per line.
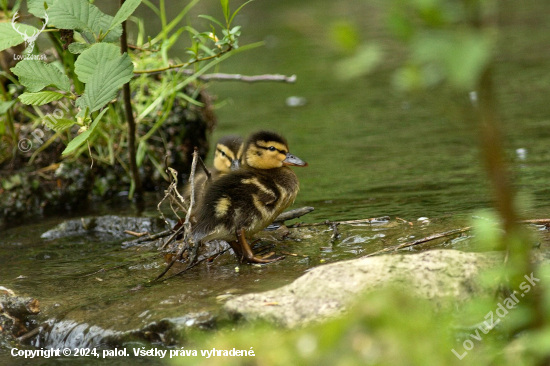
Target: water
(371, 152)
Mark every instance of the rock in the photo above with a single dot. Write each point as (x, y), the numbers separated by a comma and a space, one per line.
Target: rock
(168, 331)
(329, 290)
(108, 225)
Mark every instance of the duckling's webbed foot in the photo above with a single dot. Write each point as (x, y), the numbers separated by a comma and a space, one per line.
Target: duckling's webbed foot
(248, 255)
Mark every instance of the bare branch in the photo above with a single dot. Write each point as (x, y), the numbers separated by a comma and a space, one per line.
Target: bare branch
(420, 241)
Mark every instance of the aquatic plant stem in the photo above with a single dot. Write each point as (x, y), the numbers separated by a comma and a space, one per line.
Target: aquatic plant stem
(515, 242)
(131, 123)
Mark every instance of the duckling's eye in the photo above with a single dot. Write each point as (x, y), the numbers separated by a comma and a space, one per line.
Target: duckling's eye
(272, 148)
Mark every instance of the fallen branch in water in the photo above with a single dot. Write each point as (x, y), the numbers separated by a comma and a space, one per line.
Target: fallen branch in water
(293, 214)
(216, 255)
(133, 233)
(375, 220)
(536, 221)
(420, 241)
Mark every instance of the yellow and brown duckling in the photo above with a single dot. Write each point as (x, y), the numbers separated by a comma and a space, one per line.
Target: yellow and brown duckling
(227, 157)
(244, 202)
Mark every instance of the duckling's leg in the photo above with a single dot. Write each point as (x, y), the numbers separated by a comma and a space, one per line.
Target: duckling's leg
(236, 249)
(248, 254)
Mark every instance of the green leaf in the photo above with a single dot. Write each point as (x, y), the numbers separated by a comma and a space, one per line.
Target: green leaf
(237, 11)
(173, 23)
(36, 75)
(105, 82)
(40, 98)
(124, 12)
(77, 47)
(94, 57)
(60, 124)
(80, 139)
(141, 151)
(36, 7)
(4, 106)
(363, 62)
(84, 18)
(9, 37)
(345, 35)
(226, 11)
(16, 5)
(212, 20)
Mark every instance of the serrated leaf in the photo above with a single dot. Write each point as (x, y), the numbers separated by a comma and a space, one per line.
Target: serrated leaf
(104, 25)
(36, 75)
(105, 82)
(94, 57)
(60, 124)
(84, 18)
(4, 106)
(36, 7)
(77, 47)
(9, 37)
(80, 139)
(124, 12)
(40, 98)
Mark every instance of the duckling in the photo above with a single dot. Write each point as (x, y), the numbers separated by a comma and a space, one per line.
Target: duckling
(227, 157)
(244, 202)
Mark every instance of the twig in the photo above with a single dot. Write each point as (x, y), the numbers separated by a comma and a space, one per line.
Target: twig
(196, 263)
(248, 79)
(32, 333)
(225, 77)
(102, 270)
(335, 234)
(162, 234)
(420, 241)
(349, 222)
(404, 221)
(187, 224)
(295, 255)
(185, 64)
(208, 174)
(535, 221)
(293, 214)
(176, 233)
(133, 233)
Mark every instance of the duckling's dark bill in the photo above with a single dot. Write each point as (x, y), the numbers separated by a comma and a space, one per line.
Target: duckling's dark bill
(292, 160)
(235, 164)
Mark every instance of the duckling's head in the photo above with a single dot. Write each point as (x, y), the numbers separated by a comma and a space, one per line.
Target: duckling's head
(269, 150)
(228, 154)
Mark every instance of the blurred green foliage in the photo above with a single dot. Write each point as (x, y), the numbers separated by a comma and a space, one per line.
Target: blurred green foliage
(392, 327)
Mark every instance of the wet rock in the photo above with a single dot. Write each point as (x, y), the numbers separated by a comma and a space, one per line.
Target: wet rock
(109, 225)
(168, 331)
(329, 290)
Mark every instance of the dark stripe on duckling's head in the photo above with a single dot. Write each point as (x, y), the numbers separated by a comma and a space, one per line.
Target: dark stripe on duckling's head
(267, 150)
(228, 153)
